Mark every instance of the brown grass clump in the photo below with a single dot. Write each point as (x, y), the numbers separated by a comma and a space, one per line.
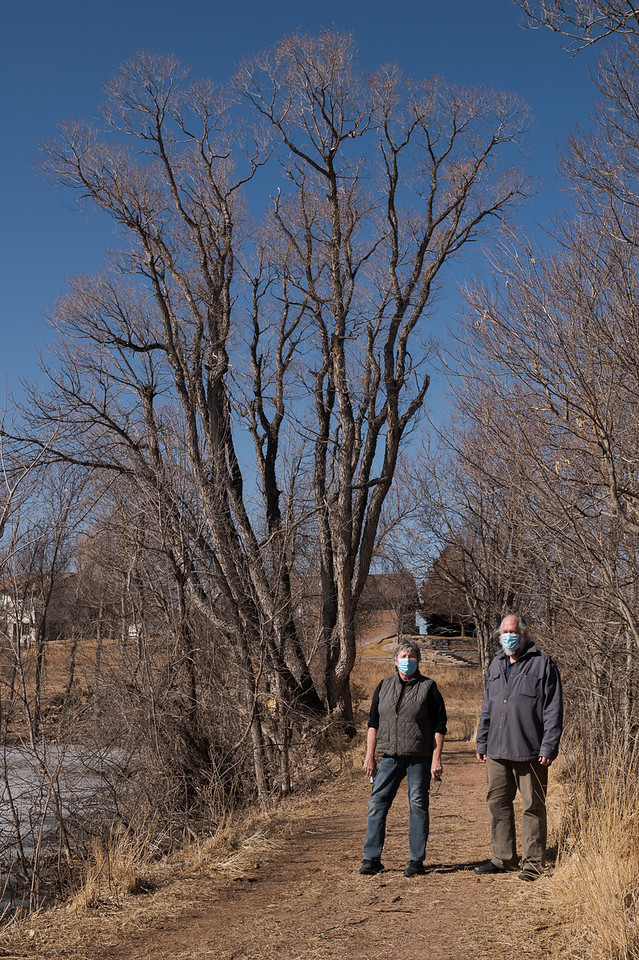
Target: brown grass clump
(113, 870)
(125, 863)
(594, 892)
(228, 851)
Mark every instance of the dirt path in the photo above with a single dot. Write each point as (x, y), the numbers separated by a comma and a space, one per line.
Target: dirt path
(304, 899)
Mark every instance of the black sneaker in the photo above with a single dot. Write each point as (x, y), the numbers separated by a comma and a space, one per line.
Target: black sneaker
(414, 869)
(370, 867)
(489, 867)
(530, 873)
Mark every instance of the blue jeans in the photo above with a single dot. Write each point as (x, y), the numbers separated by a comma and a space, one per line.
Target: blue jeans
(390, 773)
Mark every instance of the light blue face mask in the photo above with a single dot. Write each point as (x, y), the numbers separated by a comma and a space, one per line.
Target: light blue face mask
(406, 665)
(510, 642)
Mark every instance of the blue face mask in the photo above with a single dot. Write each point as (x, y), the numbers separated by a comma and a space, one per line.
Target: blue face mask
(510, 642)
(406, 665)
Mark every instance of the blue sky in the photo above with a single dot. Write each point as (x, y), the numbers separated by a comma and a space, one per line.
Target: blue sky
(55, 58)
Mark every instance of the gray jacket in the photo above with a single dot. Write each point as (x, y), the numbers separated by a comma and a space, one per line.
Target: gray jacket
(522, 716)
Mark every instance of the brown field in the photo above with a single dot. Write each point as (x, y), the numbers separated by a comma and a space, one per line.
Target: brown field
(461, 686)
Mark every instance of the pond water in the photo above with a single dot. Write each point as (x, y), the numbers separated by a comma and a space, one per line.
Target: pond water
(40, 787)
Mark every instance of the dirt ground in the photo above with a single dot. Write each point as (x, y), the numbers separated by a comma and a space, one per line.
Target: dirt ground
(302, 897)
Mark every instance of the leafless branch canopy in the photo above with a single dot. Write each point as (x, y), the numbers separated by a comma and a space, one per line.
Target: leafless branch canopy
(303, 331)
(583, 22)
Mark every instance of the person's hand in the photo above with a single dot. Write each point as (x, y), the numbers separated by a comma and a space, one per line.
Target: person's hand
(545, 762)
(436, 769)
(481, 757)
(369, 766)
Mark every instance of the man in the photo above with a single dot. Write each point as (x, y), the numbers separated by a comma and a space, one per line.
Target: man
(518, 738)
(407, 724)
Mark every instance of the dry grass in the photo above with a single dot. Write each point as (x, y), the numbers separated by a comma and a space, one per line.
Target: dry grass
(114, 869)
(56, 668)
(57, 657)
(106, 905)
(228, 851)
(126, 863)
(594, 892)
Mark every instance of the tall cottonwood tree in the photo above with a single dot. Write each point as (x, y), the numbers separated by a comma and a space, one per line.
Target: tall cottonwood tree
(304, 329)
(365, 263)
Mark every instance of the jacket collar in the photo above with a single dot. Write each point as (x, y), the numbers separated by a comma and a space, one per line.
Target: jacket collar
(410, 680)
(530, 649)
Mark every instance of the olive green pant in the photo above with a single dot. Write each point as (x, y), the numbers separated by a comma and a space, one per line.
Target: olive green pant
(504, 778)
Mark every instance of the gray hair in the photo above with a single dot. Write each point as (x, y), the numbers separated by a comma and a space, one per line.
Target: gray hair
(410, 647)
(523, 626)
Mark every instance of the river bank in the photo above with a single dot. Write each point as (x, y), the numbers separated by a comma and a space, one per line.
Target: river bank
(294, 891)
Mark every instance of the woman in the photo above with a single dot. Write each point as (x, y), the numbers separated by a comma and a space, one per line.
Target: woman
(407, 725)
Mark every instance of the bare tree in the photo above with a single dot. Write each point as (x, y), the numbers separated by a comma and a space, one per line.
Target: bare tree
(549, 387)
(365, 266)
(584, 22)
(473, 519)
(307, 330)
(555, 346)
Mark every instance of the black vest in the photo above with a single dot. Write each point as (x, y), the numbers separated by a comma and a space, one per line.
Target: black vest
(405, 727)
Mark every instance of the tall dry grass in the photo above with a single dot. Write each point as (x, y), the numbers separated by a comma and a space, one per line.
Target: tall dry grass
(113, 869)
(594, 892)
(125, 862)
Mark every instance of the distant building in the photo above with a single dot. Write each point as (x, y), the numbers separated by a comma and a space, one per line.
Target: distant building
(444, 610)
(392, 593)
(17, 619)
(390, 600)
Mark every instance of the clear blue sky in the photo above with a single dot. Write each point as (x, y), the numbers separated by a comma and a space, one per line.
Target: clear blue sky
(55, 57)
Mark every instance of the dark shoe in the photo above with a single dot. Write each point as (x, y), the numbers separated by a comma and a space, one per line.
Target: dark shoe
(415, 869)
(489, 867)
(530, 873)
(370, 867)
